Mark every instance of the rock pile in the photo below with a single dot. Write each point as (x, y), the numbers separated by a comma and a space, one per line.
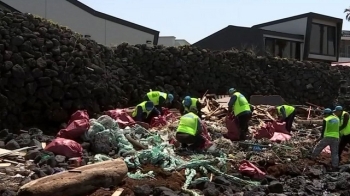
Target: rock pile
(48, 72)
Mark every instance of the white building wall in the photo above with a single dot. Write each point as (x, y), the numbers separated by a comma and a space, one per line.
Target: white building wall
(166, 41)
(66, 14)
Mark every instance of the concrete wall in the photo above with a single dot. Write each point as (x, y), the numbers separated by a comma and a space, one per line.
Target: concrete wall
(66, 14)
(166, 41)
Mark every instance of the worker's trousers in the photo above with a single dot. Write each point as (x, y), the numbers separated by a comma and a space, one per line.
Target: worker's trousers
(333, 143)
(289, 121)
(344, 140)
(242, 121)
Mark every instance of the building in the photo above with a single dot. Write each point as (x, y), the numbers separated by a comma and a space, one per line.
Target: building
(344, 49)
(172, 41)
(307, 36)
(103, 28)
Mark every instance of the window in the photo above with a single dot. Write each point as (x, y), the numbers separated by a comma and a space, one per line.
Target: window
(282, 48)
(322, 39)
(344, 48)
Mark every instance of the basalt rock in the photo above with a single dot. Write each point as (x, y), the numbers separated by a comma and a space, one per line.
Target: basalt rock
(48, 72)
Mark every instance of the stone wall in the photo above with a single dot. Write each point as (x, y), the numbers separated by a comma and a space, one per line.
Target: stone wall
(47, 72)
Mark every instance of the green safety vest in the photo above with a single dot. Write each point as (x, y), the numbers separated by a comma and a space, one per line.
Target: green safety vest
(154, 96)
(289, 109)
(332, 127)
(143, 106)
(188, 124)
(241, 104)
(192, 106)
(346, 130)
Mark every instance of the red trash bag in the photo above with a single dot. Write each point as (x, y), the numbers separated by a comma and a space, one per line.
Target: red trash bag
(169, 116)
(75, 129)
(265, 131)
(65, 147)
(158, 121)
(279, 127)
(121, 116)
(206, 136)
(233, 132)
(78, 115)
(248, 169)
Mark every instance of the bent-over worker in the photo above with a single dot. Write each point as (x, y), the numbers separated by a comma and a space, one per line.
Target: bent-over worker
(189, 131)
(239, 106)
(145, 111)
(159, 99)
(285, 113)
(329, 136)
(191, 103)
(344, 128)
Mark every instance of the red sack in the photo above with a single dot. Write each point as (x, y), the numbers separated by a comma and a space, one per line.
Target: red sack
(78, 115)
(121, 116)
(65, 147)
(77, 125)
(206, 137)
(248, 169)
(158, 121)
(279, 127)
(168, 114)
(75, 129)
(233, 132)
(265, 131)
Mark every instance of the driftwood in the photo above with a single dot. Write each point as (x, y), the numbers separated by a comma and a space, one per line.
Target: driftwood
(80, 181)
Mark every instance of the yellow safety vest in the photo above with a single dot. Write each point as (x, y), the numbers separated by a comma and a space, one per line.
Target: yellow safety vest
(154, 96)
(241, 104)
(192, 106)
(332, 127)
(289, 110)
(346, 130)
(143, 106)
(188, 124)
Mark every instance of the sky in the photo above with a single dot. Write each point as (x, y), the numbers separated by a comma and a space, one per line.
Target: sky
(194, 20)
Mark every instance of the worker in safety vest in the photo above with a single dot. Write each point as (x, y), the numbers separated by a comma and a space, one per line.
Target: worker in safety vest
(239, 106)
(189, 131)
(145, 111)
(191, 103)
(285, 113)
(329, 137)
(159, 99)
(344, 128)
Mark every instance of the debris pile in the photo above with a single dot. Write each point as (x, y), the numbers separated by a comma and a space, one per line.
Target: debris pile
(153, 166)
(49, 72)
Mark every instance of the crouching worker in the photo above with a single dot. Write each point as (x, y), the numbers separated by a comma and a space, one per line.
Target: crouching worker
(329, 136)
(239, 106)
(159, 99)
(189, 131)
(191, 103)
(285, 113)
(145, 111)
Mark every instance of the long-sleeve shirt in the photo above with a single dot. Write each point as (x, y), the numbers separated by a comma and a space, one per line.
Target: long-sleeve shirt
(198, 107)
(283, 114)
(345, 121)
(141, 116)
(323, 128)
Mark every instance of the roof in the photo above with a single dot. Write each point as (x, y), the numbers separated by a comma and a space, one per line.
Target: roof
(12, 9)
(105, 17)
(310, 14)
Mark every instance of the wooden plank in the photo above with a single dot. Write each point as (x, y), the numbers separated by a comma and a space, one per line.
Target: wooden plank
(3, 165)
(118, 192)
